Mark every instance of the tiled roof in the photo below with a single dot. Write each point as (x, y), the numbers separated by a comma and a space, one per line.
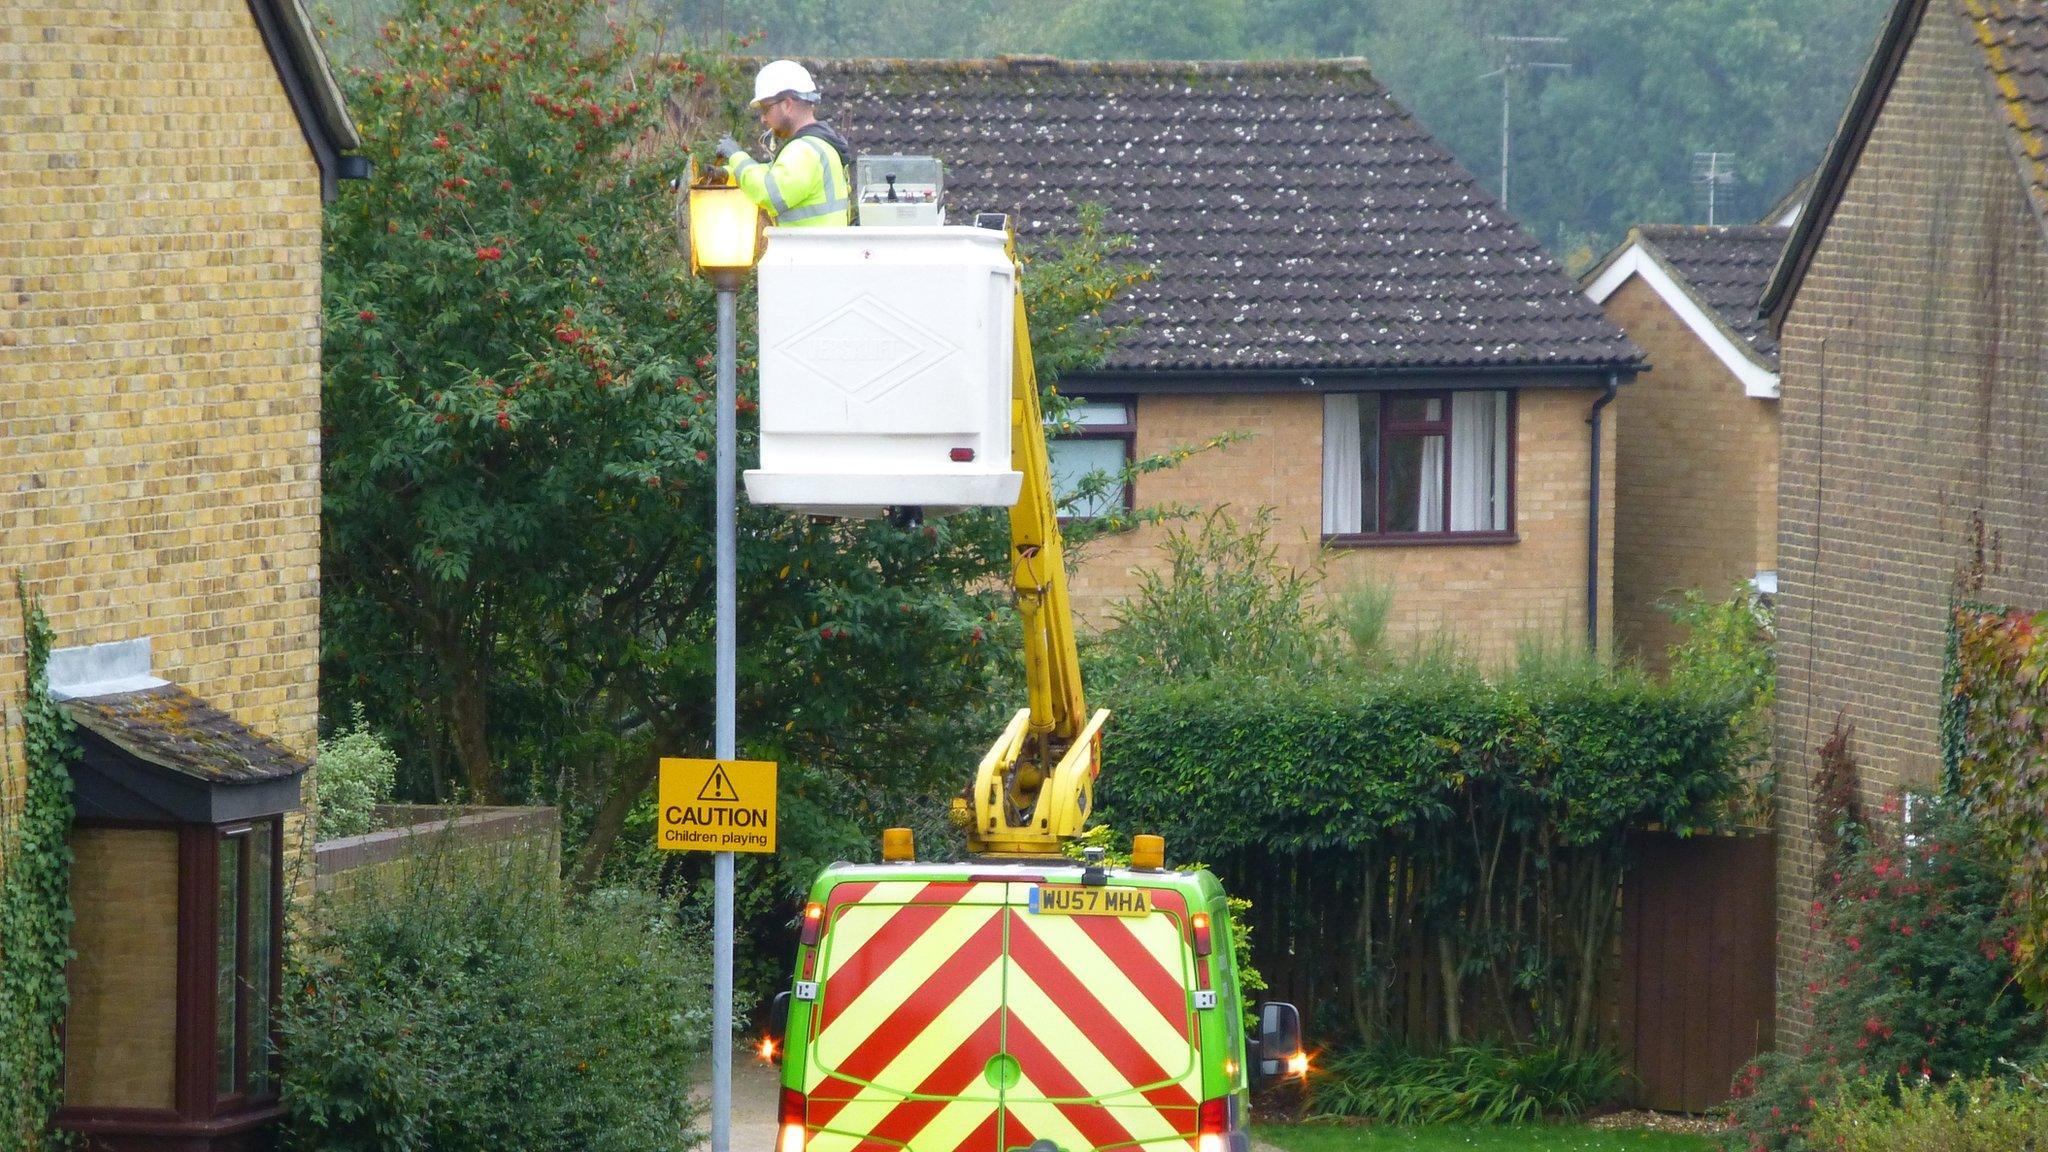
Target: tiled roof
(172, 730)
(2014, 37)
(1295, 216)
(1725, 269)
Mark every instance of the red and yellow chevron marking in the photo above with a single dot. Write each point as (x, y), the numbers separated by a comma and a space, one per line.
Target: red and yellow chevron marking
(900, 1046)
(1099, 1023)
(925, 983)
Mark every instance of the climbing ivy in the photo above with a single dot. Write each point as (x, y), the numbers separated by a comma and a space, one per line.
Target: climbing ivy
(1955, 709)
(2001, 695)
(35, 905)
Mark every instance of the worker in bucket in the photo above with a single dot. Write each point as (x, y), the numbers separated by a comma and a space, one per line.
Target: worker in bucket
(805, 184)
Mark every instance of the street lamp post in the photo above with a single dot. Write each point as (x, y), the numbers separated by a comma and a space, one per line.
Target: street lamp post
(725, 234)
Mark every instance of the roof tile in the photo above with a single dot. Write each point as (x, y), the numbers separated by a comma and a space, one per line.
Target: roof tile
(1725, 268)
(1295, 216)
(172, 730)
(2014, 37)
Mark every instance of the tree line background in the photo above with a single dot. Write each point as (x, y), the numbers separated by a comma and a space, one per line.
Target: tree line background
(1607, 143)
(1602, 145)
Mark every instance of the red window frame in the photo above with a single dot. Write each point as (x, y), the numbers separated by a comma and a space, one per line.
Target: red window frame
(1390, 428)
(1126, 432)
(251, 1083)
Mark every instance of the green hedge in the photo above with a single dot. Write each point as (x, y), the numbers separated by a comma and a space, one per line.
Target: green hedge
(1431, 856)
(1250, 764)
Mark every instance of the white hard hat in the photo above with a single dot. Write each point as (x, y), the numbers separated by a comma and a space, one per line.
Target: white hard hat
(779, 76)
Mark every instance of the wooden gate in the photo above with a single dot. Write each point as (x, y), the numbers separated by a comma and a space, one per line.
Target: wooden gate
(1699, 924)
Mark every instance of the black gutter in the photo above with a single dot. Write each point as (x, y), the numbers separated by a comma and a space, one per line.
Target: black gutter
(302, 68)
(1268, 380)
(1593, 518)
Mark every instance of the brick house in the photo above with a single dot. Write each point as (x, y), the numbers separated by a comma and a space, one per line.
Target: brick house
(160, 266)
(1911, 307)
(1696, 475)
(1416, 374)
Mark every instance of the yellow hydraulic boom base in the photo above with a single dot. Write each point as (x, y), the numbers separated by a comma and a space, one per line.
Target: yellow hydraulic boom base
(1036, 787)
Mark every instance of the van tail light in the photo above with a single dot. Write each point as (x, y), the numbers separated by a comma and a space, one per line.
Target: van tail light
(1200, 926)
(792, 1137)
(1212, 1126)
(814, 919)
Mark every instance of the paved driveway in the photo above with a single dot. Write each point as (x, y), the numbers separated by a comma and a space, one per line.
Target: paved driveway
(755, 1087)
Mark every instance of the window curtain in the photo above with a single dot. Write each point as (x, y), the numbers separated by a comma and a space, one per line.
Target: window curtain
(1430, 516)
(1479, 461)
(1343, 479)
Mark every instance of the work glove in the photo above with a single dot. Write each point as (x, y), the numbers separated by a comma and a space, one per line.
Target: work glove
(727, 146)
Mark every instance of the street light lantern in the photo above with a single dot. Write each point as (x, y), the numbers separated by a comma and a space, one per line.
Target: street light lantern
(725, 229)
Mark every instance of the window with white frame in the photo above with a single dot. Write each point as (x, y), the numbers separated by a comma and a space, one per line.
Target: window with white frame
(1102, 438)
(1409, 465)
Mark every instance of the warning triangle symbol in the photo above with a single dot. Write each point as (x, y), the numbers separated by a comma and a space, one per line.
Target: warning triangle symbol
(718, 787)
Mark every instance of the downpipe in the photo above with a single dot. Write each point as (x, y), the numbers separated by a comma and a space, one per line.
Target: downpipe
(1593, 517)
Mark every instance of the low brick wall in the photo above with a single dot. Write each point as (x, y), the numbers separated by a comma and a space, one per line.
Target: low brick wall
(417, 830)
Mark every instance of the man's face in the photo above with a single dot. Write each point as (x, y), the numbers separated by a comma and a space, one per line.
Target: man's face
(779, 116)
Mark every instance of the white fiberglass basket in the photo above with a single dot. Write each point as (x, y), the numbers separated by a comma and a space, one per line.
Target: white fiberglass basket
(885, 370)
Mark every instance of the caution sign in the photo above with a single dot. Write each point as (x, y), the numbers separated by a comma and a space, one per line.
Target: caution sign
(716, 806)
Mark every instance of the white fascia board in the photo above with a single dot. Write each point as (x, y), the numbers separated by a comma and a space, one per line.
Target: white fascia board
(1756, 380)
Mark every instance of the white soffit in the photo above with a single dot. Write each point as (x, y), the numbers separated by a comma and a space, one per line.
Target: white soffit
(1756, 379)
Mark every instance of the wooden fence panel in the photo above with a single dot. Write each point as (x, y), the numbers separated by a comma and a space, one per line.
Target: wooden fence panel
(1698, 936)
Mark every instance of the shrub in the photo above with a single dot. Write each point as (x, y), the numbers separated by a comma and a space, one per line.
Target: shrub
(1487, 1083)
(1914, 980)
(1728, 651)
(354, 771)
(464, 1009)
(1361, 613)
(1979, 1114)
(1224, 601)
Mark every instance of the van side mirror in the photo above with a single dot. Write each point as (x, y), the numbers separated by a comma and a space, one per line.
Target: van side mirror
(1279, 1038)
(778, 1026)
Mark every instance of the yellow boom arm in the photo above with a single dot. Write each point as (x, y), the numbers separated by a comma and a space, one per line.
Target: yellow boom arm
(1036, 786)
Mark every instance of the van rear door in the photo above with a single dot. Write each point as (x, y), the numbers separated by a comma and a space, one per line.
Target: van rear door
(909, 1020)
(1098, 1020)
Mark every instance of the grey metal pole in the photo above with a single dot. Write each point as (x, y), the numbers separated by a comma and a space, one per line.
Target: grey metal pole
(728, 696)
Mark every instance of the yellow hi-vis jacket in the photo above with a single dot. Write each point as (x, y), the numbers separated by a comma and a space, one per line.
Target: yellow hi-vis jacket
(805, 186)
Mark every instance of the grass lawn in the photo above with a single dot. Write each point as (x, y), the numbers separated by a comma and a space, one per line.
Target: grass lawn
(1461, 1138)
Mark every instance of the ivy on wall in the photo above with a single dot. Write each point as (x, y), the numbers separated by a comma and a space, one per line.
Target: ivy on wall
(35, 905)
(1956, 704)
(1999, 701)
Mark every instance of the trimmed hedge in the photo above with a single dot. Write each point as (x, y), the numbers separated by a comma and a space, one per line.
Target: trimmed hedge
(1249, 764)
(1431, 857)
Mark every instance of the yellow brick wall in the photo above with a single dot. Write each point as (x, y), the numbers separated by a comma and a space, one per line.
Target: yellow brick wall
(160, 350)
(159, 346)
(1912, 382)
(1696, 476)
(1483, 597)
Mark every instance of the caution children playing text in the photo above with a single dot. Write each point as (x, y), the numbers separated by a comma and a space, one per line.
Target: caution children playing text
(716, 806)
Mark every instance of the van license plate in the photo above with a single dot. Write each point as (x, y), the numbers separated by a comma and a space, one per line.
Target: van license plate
(1087, 900)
